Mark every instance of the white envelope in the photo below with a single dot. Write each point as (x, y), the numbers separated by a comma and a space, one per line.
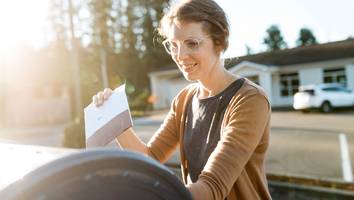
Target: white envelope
(103, 124)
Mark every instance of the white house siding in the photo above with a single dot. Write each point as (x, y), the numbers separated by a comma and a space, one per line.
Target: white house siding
(173, 88)
(167, 84)
(161, 92)
(311, 76)
(157, 81)
(264, 74)
(166, 90)
(349, 69)
(156, 90)
(276, 101)
(310, 73)
(247, 71)
(265, 81)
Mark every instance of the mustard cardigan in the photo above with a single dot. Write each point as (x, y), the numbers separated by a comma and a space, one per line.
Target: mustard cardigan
(235, 169)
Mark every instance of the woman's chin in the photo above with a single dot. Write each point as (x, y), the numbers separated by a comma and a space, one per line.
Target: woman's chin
(189, 77)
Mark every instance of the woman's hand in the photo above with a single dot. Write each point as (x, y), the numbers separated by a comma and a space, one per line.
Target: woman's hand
(101, 97)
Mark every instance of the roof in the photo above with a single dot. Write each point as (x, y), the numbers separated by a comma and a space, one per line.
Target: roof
(299, 55)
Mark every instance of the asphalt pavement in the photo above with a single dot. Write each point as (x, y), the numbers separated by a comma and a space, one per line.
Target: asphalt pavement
(315, 145)
(301, 144)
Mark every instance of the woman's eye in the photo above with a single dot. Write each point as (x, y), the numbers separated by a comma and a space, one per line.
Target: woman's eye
(192, 44)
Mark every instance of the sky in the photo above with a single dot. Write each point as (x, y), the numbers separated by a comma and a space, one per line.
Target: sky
(330, 20)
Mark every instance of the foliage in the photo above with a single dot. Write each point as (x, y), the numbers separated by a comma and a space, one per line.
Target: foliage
(123, 30)
(74, 134)
(306, 37)
(248, 50)
(274, 39)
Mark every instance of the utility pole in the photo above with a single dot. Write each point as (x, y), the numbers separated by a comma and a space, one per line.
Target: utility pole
(75, 63)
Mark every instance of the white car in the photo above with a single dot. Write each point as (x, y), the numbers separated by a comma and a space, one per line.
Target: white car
(324, 97)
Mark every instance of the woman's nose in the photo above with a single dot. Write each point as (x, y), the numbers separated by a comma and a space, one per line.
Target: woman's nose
(182, 53)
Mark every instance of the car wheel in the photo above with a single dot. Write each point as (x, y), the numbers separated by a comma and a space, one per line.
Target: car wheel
(305, 111)
(326, 107)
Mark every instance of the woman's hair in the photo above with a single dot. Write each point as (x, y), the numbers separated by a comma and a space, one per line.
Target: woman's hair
(208, 12)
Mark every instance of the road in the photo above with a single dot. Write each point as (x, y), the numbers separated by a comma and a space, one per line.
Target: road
(305, 145)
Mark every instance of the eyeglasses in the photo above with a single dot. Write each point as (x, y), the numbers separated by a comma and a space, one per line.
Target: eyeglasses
(191, 45)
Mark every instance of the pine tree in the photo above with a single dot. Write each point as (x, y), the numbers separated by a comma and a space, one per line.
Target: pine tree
(306, 37)
(274, 39)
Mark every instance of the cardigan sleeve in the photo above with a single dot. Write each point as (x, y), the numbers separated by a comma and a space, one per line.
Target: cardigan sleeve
(165, 140)
(243, 131)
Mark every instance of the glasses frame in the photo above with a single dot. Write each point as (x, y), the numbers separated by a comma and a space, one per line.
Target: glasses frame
(190, 50)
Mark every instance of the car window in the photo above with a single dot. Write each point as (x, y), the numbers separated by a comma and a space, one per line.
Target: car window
(336, 89)
(309, 91)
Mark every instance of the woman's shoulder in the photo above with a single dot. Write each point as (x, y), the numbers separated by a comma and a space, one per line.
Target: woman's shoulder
(249, 89)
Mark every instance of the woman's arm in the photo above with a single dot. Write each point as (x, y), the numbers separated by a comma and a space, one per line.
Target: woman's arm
(129, 140)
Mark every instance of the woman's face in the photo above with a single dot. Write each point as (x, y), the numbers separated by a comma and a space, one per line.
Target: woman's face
(192, 50)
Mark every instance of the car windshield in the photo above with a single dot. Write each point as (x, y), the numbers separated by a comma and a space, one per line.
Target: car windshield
(308, 91)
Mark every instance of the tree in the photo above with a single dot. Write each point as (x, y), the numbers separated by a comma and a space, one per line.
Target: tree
(306, 37)
(124, 31)
(248, 50)
(274, 39)
(102, 33)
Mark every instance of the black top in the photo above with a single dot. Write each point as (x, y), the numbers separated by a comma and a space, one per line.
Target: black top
(203, 123)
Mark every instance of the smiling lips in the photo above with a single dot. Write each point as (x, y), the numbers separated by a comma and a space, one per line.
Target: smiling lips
(188, 67)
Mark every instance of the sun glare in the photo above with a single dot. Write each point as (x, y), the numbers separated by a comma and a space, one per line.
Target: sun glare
(22, 21)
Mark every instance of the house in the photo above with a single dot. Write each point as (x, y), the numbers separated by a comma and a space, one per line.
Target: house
(279, 72)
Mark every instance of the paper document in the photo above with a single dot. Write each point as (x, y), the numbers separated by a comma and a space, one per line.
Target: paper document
(103, 124)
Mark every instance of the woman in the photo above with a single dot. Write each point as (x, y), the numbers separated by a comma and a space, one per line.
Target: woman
(220, 123)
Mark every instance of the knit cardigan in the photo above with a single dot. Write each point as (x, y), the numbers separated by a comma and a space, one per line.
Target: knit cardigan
(235, 169)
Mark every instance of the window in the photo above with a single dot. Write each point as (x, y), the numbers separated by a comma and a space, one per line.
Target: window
(335, 76)
(289, 84)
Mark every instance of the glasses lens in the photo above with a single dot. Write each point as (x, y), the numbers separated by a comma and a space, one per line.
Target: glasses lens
(192, 45)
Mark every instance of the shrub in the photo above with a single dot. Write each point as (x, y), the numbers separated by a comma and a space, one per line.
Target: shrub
(74, 134)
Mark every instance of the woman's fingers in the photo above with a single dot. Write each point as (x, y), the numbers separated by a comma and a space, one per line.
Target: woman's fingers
(101, 97)
(95, 100)
(107, 92)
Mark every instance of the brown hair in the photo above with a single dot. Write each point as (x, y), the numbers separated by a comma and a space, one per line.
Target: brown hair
(208, 12)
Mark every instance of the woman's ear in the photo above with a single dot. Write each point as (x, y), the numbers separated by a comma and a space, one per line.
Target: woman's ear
(219, 48)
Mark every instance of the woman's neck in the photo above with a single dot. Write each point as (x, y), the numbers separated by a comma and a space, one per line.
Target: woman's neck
(218, 80)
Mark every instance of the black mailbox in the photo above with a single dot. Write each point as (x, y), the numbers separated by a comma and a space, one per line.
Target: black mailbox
(98, 174)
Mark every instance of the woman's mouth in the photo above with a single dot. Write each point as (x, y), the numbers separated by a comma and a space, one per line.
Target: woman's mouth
(189, 68)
